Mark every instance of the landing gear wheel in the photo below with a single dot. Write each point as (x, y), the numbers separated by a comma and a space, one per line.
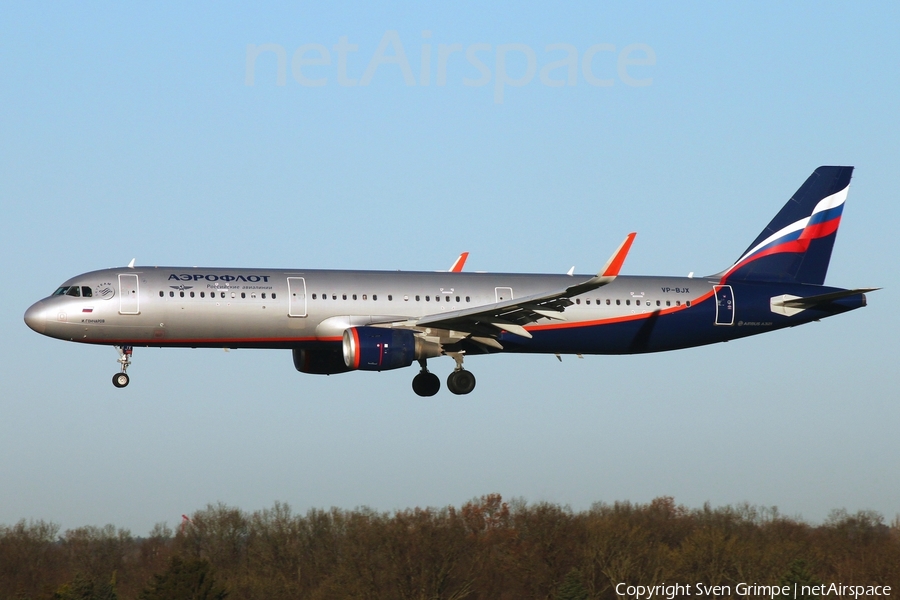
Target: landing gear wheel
(426, 384)
(120, 380)
(461, 382)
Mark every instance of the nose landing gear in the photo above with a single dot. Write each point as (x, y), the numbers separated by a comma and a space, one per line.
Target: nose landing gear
(121, 379)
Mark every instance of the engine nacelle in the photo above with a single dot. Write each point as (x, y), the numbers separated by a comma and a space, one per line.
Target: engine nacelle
(321, 358)
(382, 349)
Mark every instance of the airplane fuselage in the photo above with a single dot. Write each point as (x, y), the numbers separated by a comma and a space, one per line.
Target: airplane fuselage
(277, 308)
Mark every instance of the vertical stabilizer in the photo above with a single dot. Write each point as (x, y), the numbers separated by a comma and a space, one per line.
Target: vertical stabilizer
(796, 245)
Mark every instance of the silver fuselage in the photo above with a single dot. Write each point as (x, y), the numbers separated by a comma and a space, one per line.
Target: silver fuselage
(277, 308)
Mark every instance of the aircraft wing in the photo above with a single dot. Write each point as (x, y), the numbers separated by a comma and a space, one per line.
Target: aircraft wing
(459, 263)
(488, 321)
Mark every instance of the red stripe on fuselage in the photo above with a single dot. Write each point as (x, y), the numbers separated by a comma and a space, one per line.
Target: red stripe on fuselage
(211, 341)
(622, 318)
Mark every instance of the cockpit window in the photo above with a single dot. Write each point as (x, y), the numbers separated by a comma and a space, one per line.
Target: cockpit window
(74, 290)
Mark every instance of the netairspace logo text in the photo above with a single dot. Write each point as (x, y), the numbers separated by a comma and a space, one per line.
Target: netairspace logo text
(475, 65)
(752, 590)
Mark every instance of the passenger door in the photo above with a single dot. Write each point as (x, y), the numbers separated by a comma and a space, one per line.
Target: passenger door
(724, 305)
(129, 301)
(296, 297)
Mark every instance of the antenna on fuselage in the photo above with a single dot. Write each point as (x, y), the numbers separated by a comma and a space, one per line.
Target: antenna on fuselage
(131, 264)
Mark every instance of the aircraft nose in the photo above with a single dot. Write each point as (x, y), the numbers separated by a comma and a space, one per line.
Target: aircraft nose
(36, 318)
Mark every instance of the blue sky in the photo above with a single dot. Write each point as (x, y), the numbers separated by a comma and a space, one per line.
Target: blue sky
(130, 131)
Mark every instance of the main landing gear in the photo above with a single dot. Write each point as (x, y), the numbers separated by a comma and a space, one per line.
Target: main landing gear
(425, 383)
(459, 381)
(121, 379)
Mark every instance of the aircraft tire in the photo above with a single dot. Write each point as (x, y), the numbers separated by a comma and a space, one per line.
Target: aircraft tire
(426, 384)
(461, 382)
(120, 380)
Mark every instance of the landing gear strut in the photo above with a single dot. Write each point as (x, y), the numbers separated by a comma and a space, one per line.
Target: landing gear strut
(460, 381)
(121, 379)
(426, 383)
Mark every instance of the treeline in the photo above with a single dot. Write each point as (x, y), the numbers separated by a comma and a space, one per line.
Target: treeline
(486, 549)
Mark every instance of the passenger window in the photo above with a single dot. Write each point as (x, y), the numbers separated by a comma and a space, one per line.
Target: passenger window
(447, 298)
(658, 303)
(587, 301)
(181, 294)
(390, 297)
(344, 296)
(678, 303)
(223, 294)
(273, 295)
(668, 303)
(354, 296)
(688, 303)
(314, 296)
(374, 297)
(203, 294)
(253, 295)
(607, 301)
(577, 300)
(365, 297)
(171, 294)
(457, 298)
(243, 294)
(161, 294)
(192, 294)
(263, 295)
(334, 296)
(427, 298)
(417, 298)
(628, 303)
(618, 302)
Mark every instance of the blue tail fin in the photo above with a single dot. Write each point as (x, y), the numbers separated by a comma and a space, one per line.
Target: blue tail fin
(796, 246)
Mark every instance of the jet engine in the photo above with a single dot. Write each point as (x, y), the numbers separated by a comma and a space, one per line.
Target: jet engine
(320, 358)
(382, 349)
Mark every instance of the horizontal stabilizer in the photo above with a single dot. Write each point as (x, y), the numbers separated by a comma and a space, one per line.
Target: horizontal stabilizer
(790, 305)
(810, 301)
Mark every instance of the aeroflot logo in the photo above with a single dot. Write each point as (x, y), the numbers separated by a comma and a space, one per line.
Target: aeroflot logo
(199, 276)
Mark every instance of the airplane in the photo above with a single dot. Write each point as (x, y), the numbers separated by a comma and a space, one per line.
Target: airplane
(338, 321)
